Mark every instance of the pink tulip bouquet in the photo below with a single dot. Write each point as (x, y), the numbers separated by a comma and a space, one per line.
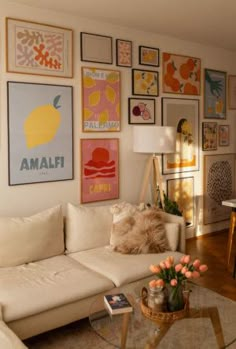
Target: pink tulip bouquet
(173, 276)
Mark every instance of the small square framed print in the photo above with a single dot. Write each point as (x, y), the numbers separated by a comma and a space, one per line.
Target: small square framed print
(209, 136)
(232, 91)
(149, 56)
(141, 111)
(145, 83)
(96, 48)
(223, 135)
(123, 53)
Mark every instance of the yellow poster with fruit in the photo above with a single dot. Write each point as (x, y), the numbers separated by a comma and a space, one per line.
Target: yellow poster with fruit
(40, 133)
(101, 100)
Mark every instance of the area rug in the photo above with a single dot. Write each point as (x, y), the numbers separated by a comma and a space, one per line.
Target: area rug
(80, 335)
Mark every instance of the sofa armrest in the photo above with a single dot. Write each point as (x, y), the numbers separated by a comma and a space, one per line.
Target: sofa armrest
(170, 218)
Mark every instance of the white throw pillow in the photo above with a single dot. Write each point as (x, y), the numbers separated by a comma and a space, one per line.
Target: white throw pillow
(28, 239)
(172, 235)
(87, 227)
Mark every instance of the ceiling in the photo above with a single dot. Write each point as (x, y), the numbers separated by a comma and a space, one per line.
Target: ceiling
(211, 22)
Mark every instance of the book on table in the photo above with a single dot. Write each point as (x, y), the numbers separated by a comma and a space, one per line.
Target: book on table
(117, 303)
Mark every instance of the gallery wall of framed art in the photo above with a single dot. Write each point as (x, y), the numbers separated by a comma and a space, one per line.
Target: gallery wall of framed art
(99, 80)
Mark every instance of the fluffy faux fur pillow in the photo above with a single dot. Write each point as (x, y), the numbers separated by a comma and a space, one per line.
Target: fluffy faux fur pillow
(137, 229)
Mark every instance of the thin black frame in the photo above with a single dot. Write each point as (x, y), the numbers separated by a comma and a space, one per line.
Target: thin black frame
(145, 71)
(131, 53)
(149, 48)
(203, 124)
(144, 122)
(9, 135)
(82, 53)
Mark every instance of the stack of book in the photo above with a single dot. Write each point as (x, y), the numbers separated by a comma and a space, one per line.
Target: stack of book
(117, 303)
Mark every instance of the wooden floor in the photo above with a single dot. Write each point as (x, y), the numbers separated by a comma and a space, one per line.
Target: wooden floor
(211, 250)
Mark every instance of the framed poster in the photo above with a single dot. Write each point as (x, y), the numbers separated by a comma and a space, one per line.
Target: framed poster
(96, 48)
(183, 114)
(219, 178)
(35, 48)
(181, 190)
(181, 74)
(145, 83)
(214, 94)
(100, 100)
(232, 91)
(209, 136)
(149, 56)
(40, 135)
(141, 111)
(123, 53)
(223, 135)
(100, 169)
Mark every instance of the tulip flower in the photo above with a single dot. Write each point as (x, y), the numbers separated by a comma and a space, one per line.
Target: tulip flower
(155, 268)
(170, 259)
(168, 264)
(173, 282)
(195, 274)
(163, 265)
(178, 267)
(186, 259)
(196, 263)
(203, 267)
(188, 274)
(152, 283)
(160, 283)
(184, 270)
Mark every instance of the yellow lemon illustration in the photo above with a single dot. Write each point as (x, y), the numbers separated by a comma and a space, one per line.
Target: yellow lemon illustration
(89, 82)
(41, 125)
(94, 98)
(110, 94)
(87, 114)
(112, 77)
(103, 116)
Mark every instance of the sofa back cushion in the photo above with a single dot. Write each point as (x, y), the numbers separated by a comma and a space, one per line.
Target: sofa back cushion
(87, 227)
(28, 239)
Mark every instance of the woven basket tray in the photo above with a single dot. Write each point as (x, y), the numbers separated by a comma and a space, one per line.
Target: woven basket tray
(166, 317)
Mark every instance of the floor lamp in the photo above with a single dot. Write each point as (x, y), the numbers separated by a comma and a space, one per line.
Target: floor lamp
(153, 140)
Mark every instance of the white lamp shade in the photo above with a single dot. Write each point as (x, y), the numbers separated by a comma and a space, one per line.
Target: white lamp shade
(154, 139)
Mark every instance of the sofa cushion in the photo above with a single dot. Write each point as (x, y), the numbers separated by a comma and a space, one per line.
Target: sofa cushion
(27, 239)
(121, 268)
(87, 227)
(172, 235)
(137, 231)
(36, 287)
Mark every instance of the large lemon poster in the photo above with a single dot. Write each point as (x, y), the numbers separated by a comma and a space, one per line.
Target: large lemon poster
(40, 133)
(101, 100)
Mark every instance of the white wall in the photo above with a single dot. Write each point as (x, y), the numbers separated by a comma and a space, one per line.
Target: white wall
(28, 199)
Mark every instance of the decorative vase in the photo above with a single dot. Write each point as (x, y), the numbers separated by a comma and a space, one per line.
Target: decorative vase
(175, 298)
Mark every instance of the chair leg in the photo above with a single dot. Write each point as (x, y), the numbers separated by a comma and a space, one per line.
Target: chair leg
(230, 236)
(234, 272)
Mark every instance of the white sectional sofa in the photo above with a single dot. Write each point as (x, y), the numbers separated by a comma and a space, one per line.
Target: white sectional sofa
(50, 272)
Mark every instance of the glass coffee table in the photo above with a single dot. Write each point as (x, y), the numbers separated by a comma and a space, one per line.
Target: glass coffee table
(210, 323)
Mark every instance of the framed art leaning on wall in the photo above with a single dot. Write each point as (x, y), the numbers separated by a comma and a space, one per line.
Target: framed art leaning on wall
(40, 134)
(37, 48)
(219, 178)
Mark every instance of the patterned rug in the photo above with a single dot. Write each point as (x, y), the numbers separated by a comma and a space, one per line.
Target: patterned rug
(78, 335)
